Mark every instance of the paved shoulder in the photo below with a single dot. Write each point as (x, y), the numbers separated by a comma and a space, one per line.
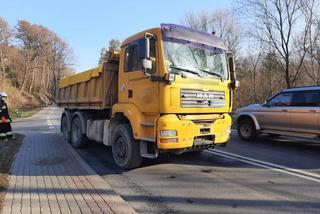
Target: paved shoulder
(48, 176)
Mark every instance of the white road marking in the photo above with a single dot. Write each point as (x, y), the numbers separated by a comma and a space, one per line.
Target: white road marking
(295, 172)
(50, 123)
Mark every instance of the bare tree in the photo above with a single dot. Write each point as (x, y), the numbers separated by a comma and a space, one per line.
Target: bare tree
(46, 58)
(5, 34)
(113, 44)
(279, 22)
(254, 58)
(223, 23)
(312, 63)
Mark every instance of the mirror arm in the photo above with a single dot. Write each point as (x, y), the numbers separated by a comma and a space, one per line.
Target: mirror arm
(234, 82)
(146, 62)
(147, 54)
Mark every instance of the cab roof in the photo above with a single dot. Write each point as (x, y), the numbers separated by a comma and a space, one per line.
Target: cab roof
(173, 32)
(305, 88)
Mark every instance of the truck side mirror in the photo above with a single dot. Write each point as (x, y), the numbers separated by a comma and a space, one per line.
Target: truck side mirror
(146, 62)
(146, 65)
(234, 82)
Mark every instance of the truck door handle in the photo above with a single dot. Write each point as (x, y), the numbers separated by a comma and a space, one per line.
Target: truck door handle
(313, 111)
(284, 110)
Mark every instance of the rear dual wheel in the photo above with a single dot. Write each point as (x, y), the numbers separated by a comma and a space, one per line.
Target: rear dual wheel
(64, 128)
(78, 139)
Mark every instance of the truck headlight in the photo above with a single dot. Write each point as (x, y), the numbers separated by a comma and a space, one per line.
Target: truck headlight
(168, 133)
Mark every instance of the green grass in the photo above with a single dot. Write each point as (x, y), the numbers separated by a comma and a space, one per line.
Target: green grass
(24, 113)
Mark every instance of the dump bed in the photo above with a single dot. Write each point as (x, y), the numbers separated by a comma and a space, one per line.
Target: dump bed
(96, 88)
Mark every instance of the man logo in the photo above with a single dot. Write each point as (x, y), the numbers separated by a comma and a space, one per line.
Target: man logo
(205, 95)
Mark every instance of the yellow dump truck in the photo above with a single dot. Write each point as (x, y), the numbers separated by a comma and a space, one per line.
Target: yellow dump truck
(169, 89)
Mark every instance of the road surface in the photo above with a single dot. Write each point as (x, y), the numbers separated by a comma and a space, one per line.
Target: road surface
(265, 176)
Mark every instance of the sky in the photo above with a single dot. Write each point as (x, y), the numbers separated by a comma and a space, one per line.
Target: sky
(87, 26)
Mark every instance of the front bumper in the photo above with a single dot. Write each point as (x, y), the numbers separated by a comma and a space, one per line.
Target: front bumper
(193, 130)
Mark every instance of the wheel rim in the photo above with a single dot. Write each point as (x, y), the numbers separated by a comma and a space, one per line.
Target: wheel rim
(245, 130)
(120, 150)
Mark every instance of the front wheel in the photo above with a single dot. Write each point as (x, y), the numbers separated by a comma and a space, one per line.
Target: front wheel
(246, 130)
(125, 149)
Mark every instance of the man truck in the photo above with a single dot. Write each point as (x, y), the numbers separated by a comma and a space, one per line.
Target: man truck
(168, 89)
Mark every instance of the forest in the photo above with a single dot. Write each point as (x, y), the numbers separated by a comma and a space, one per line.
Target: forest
(32, 60)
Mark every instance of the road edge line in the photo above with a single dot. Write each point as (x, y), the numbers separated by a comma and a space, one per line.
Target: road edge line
(267, 165)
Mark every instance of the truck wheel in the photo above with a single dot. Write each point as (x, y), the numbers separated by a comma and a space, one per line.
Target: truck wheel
(246, 130)
(125, 149)
(64, 128)
(78, 139)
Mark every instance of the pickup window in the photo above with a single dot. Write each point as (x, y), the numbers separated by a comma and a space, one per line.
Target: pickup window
(306, 98)
(283, 99)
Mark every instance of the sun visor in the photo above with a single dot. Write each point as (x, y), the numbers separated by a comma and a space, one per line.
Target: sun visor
(181, 34)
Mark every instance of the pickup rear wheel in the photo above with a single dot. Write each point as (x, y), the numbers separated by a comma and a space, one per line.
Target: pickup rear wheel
(78, 139)
(246, 129)
(125, 149)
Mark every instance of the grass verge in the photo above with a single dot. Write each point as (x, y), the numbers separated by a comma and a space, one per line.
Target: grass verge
(24, 113)
(8, 150)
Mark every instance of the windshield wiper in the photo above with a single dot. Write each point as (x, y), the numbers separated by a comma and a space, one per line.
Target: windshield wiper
(213, 73)
(186, 70)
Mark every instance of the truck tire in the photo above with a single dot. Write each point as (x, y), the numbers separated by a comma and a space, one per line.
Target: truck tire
(78, 139)
(64, 128)
(125, 149)
(246, 130)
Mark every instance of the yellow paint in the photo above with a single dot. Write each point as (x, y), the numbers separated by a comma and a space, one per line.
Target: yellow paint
(137, 119)
(187, 130)
(86, 75)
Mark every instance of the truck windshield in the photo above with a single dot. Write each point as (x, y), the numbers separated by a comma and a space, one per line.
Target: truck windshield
(189, 61)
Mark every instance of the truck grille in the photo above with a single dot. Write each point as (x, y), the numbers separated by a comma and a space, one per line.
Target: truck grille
(202, 99)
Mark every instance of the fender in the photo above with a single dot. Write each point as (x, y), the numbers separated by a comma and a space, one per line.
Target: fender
(134, 116)
(83, 120)
(254, 119)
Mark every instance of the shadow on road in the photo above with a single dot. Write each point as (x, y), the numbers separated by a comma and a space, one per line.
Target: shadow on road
(99, 156)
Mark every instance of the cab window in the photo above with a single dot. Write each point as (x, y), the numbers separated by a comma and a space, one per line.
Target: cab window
(135, 52)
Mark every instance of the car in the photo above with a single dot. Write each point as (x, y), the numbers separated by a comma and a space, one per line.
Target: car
(292, 112)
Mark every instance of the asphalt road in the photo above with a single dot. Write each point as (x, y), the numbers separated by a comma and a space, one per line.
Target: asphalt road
(265, 176)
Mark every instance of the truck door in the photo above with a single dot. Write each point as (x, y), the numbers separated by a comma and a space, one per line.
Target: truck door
(141, 91)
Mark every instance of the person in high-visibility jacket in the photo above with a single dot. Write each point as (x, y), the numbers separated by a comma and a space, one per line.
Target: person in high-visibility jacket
(5, 120)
